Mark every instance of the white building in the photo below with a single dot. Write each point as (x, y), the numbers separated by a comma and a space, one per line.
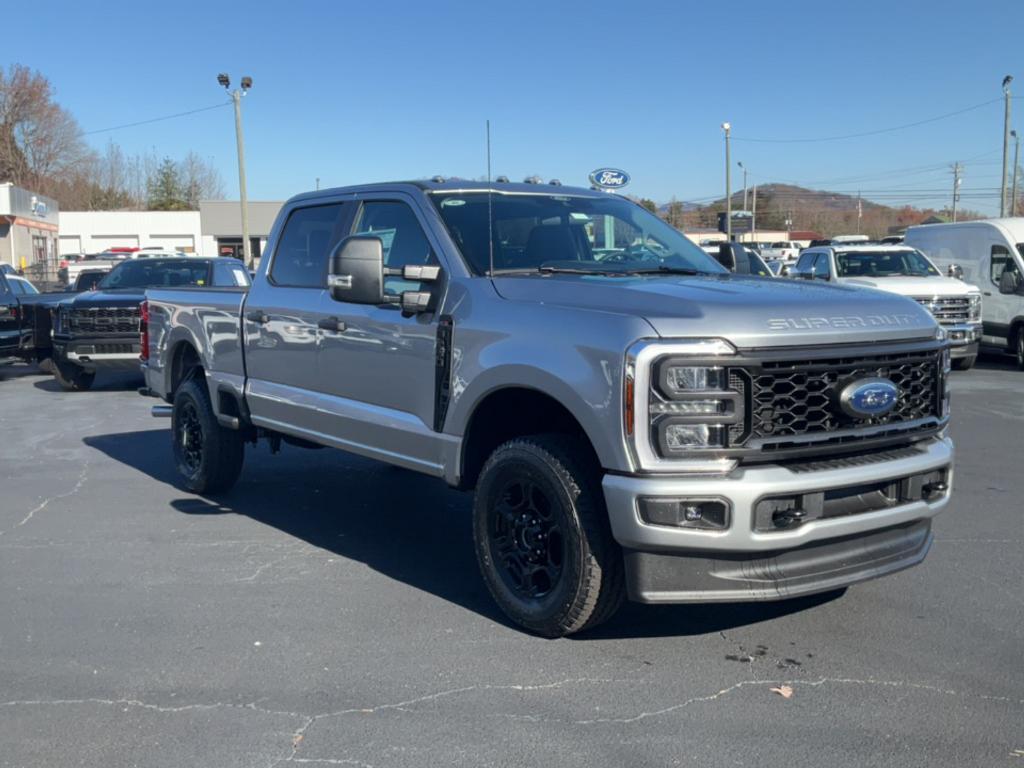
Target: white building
(214, 230)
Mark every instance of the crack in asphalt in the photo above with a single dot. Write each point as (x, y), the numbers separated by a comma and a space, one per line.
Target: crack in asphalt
(307, 721)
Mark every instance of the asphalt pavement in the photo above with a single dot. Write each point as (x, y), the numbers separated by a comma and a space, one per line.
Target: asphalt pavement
(329, 611)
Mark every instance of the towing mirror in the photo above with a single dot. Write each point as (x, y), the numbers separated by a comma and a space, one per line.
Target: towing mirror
(357, 270)
(955, 271)
(727, 255)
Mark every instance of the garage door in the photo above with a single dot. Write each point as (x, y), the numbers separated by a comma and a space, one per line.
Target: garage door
(184, 243)
(106, 242)
(70, 244)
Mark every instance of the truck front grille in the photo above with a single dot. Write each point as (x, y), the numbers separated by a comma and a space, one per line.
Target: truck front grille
(793, 403)
(948, 310)
(103, 320)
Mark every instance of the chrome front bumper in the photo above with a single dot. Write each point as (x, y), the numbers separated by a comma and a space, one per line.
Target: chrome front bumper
(671, 564)
(963, 339)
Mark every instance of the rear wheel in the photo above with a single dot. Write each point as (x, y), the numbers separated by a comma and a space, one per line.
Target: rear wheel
(542, 536)
(73, 378)
(208, 456)
(964, 363)
(1018, 344)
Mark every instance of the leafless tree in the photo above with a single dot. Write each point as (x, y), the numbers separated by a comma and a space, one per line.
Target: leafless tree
(40, 141)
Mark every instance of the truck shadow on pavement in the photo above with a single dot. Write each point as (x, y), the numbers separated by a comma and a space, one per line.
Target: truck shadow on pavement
(406, 526)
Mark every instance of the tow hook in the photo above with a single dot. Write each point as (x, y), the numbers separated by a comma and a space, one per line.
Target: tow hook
(789, 518)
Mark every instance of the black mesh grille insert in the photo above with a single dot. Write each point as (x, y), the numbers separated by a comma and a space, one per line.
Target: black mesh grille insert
(793, 398)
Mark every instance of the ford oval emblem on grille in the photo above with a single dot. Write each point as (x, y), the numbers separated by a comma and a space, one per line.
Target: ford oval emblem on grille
(865, 398)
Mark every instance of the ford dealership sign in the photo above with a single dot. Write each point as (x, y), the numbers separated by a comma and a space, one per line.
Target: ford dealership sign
(609, 178)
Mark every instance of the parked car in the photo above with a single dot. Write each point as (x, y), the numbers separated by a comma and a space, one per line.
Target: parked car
(783, 250)
(907, 272)
(99, 330)
(644, 425)
(25, 319)
(7, 269)
(990, 254)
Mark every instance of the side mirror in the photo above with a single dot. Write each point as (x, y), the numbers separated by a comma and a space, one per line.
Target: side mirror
(727, 255)
(955, 271)
(357, 270)
(1010, 282)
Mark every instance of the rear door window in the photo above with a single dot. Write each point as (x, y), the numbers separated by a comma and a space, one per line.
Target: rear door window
(309, 235)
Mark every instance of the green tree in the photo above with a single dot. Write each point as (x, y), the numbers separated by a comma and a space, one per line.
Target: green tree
(650, 205)
(165, 190)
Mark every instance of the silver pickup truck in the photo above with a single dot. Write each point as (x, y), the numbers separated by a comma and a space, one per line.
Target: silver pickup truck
(635, 421)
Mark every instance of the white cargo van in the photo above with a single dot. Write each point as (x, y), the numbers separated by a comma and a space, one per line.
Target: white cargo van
(990, 255)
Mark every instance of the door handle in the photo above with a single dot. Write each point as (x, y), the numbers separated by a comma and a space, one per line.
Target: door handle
(988, 293)
(257, 316)
(331, 324)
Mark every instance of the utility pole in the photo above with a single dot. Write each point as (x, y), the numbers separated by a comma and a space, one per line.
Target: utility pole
(236, 98)
(860, 211)
(318, 183)
(744, 185)
(753, 218)
(728, 189)
(1006, 144)
(956, 187)
(1016, 154)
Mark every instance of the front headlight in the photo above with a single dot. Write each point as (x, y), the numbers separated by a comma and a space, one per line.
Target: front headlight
(679, 402)
(975, 306)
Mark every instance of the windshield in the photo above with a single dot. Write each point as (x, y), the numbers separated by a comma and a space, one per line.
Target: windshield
(884, 264)
(151, 273)
(606, 235)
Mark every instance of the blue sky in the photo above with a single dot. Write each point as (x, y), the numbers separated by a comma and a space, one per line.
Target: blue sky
(355, 92)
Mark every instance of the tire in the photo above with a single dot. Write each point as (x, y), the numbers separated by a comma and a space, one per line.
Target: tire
(542, 536)
(1018, 347)
(964, 363)
(73, 378)
(208, 456)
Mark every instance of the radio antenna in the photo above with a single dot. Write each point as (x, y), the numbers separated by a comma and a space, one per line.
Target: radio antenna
(490, 207)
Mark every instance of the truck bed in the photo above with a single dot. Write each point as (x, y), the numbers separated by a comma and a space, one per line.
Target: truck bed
(210, 319)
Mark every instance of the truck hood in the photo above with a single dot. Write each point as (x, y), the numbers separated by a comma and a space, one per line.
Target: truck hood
(118, 297)
(748, 311)
(913, 286)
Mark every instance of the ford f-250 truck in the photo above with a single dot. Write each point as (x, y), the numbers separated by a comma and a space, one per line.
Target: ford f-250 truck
(635, 421)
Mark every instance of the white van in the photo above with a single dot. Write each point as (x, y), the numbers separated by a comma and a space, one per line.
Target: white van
(990, 255)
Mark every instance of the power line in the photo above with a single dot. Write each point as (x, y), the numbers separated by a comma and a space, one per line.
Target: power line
(876, 131)
(159, 119)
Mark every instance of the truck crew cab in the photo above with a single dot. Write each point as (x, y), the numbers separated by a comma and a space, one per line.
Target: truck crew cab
(635, 421)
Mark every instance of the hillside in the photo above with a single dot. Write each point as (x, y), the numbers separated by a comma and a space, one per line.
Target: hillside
(829, 213)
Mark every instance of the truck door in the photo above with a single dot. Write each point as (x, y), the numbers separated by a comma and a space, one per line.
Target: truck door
(281, 314)
(377, 368)
(10, 323)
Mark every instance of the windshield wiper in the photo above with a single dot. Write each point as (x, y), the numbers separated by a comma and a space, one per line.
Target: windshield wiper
(663, 270)
(547, 270)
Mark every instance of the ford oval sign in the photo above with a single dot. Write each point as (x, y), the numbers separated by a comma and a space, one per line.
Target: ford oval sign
(865, 398)
(609, 178)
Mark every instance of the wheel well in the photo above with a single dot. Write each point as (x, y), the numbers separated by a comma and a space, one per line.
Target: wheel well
(510, 413)
(183, 361)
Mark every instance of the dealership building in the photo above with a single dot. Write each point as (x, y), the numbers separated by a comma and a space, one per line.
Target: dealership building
(214, 230)
(28, 228)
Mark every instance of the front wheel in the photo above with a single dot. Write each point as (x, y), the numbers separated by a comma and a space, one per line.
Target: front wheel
(542, 536)
(208, 456)
(1019, 347)
(73, 378)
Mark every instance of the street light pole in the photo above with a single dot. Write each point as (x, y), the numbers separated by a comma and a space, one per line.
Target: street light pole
(236, 98)
(728, 185)
(1006, 143)
(1016, 155)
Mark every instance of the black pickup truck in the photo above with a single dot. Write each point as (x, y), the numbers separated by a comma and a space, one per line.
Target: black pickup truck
(99, 329)
(25, 319)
